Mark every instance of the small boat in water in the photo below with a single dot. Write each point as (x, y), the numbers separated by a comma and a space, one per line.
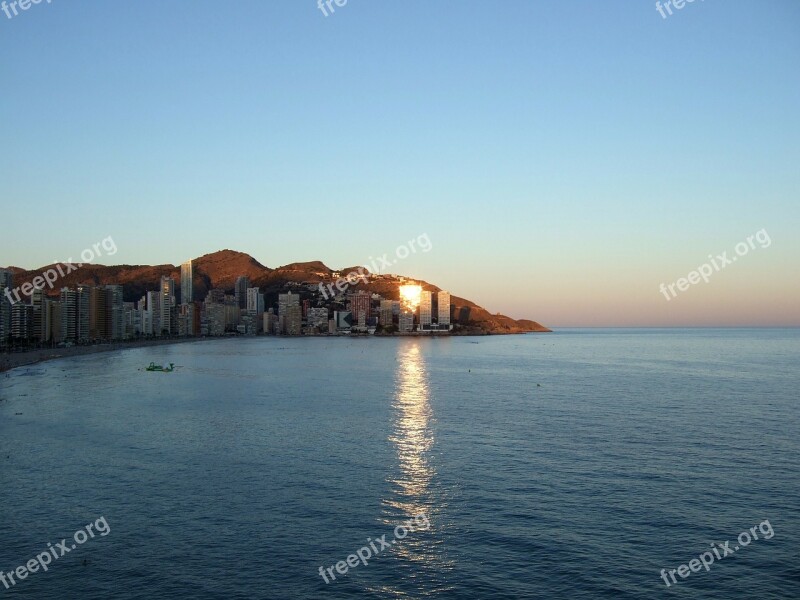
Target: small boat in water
(155, 367)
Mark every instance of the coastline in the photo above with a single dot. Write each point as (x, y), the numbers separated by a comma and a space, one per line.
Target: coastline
(14, 360)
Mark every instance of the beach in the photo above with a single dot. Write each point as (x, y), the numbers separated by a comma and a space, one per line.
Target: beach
(13, 360)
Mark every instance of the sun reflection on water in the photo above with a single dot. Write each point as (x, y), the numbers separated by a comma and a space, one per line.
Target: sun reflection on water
(413, 485)
(412, 436)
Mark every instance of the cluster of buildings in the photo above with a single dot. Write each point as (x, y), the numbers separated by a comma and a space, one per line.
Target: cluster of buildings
(85, 313)
(89, 314)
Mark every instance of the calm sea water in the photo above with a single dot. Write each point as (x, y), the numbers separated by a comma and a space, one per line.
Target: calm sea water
(569, 465)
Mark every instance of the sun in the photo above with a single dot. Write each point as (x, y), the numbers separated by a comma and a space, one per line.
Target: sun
(410, 296)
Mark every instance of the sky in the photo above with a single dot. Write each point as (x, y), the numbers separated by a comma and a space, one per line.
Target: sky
(564, 158)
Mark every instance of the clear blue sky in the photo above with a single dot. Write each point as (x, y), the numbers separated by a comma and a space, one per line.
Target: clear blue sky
(564, 157)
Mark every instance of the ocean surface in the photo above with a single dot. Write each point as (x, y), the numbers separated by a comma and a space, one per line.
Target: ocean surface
(577, 464)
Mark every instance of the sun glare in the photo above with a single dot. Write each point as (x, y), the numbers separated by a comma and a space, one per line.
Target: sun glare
(410, 295)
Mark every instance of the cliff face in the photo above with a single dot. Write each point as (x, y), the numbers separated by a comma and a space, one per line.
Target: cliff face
(220, 270)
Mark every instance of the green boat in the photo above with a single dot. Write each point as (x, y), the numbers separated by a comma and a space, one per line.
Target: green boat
(155, 367)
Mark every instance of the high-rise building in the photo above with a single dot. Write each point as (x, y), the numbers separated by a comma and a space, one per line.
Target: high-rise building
(406, 320)
(360, 304)
(255, 309)
(82, 297)
(187, 283)
(68, 310)
(290, 313)
(215, 315)
(186, 320)
(152, 322)
(6, 283)
(115, 309)
(255, 300)
(75, 305)
(270, 322)
(168, 314)
(318, 317)
(132, 318)
(22, 321)
(240, 290)
(55, 322)
(41, 315)
(233, 315)
(386, 318)
(6, 280)
(425, 309)
(98, 314)
(443, 299)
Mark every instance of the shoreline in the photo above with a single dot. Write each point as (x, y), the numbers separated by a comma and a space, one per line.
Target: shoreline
(14, 360)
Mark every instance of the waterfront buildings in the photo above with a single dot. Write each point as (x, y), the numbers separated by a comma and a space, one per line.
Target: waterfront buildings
(153, 319)
(186, 320)
(360, 305)
(386, 314)
(89, 313)
(240, 290)
(22, 321)
(168, 325)
(406, 320)
(290, 313)
(443, 299)
(318, 317)
(6, 283)
(187, 283)
(98, 314)
(425, 309)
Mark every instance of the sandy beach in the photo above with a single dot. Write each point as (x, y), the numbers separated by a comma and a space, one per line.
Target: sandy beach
(20, 359)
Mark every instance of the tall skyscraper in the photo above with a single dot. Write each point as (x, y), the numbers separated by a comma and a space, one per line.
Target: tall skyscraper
(68, 310)
(252, 300)
(82, 297)
(98, 314)
(41, 315)
(6, 280)
(115, 309)
(290, 313)
(168, 305)
(443, 299)
(187, 285)
(6, 283)
(240, 290)
(360, 304)
(386, 317)
(55, 321)
(425, 309)
(153, 320)
(22, 321)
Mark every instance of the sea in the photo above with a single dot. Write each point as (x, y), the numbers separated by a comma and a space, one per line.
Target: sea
(584, 463)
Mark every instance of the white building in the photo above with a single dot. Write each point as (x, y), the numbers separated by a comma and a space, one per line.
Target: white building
(425, 309)
(444, 309)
